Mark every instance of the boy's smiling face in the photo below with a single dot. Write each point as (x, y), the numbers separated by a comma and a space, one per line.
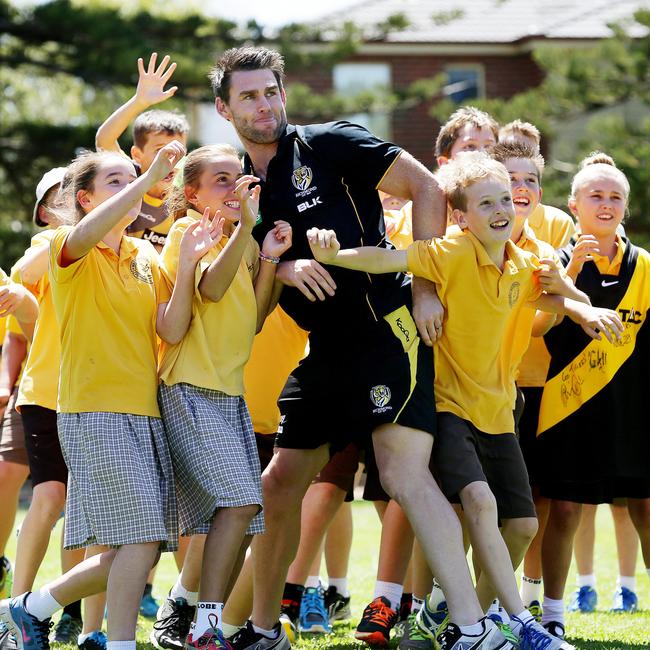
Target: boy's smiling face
(525, 186)
(489, 214)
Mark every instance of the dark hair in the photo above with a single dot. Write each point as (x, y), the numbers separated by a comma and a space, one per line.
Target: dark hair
(244, 58)
(157, 121)
(517, 149)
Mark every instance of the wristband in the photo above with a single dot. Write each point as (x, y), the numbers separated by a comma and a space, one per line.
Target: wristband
(269, 258)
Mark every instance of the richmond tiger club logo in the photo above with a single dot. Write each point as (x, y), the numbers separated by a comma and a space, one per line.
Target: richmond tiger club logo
(141, 270)
(301, 178)
(380, 396)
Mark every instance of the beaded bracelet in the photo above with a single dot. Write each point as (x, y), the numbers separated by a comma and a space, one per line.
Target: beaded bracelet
(269, 258)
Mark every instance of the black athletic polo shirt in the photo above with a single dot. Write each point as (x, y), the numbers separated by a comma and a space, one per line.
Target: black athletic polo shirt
(326, 175)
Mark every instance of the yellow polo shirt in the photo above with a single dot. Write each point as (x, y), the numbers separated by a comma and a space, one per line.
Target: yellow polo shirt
(401, 223)
(530, 360)
(605, 267)
(473, 377)
(277, 350)
(40, 378)
(106, 306)
(217, 345)
(555, 227)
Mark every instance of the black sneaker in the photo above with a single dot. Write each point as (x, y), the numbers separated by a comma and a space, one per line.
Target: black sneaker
(172, 624)
(248, 639)
(291, 600)
(67, 629)
(95, 641)
(555, 628)
(337, 605)
(376, 623)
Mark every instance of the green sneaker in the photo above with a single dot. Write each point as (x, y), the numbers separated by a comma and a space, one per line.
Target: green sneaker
(413, 639)
(535, 608)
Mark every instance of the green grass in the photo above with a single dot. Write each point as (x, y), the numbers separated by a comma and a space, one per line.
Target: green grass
(598, 631)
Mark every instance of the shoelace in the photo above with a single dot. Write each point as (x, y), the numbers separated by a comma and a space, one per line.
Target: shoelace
(178, 622)
(313, 604)
(533, 639)
(42, 632)
(414, 632)
(379, 613)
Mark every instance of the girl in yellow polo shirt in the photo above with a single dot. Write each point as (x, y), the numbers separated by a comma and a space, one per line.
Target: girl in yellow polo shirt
(110, 300)
(201, 393)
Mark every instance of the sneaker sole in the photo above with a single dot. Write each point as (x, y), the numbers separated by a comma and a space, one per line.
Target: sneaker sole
(316, 628)
(376, 639)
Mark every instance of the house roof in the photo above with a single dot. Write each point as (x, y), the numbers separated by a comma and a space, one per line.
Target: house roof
(489, 21)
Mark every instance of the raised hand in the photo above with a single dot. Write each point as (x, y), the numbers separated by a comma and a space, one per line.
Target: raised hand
(278, 240)
(582, 252)
(549, 277)
(249, 200)
(201, 236)
(151, 82)
(324, 244)
(165, 161)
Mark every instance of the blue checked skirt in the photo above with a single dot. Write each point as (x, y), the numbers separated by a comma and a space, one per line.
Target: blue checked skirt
(120, 480)
(216, 463)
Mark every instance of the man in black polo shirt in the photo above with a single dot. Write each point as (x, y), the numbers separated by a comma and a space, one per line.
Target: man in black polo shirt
(368, 372)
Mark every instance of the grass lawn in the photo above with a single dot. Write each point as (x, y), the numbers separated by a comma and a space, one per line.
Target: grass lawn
(599, 631)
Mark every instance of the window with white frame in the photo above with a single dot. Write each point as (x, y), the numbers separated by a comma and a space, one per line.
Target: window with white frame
(465, 82)
(352, 79)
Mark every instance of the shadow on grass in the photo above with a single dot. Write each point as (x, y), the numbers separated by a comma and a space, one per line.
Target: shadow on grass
(581, 644)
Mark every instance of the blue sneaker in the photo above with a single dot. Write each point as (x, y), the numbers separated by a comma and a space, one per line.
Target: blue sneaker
(30, 633)
(94, 641)
(148, 605)
(583, 600)
(625, 600)
(532, 636)
(313, 614)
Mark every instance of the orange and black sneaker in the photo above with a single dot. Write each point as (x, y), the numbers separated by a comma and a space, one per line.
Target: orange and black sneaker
(376, 623)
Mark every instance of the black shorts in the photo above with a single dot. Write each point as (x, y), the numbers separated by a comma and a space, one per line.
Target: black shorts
(341, 470)
(528, 432)
(463, 454)
(265, 445)
(42, 443)
(341, 395)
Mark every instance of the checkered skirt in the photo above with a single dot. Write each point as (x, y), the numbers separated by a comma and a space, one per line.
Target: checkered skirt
(216, 463)
(120, 480)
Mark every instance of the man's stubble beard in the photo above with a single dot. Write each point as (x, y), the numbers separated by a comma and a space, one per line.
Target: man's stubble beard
(257, 136)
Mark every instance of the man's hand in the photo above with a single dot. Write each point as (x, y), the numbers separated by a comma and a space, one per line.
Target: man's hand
(309, 277)
(151, 82)
(428, 312)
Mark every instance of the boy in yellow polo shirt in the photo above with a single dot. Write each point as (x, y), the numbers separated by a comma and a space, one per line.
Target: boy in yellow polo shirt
(482, 280)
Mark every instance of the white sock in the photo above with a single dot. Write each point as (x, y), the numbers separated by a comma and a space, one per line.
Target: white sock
(629, 582)
(588, 580)
(436, 596)
(531, 589)
(519, 620)
(417, 604)
(472, 630)
(178, 591)
(229, 630)
(390, 590)
(270, 634)
(207, 615)
(121, 645)
(341, 585)
(42, 604)
(553, 610)
(312, 582)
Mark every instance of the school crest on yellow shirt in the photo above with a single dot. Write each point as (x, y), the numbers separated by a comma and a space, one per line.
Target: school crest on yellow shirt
(301, 178)
(513, 296)
(141, 269)
(380, 396)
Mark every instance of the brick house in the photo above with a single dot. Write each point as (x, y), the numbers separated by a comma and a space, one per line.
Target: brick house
(483, 46)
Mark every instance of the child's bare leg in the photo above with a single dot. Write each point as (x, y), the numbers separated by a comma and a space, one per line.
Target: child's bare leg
(396, 545)
(12, 477)
(181, 552)
(422, 575)
(533, 557)
(627, 540)
(239, 604)
(517, 535)
(190, 575)
(48, 500)
(126, 581)
(88, 578)
(338, 543)
(94, 606)
(239, 563)
(584, 541)
(403, 460)
(640, 515)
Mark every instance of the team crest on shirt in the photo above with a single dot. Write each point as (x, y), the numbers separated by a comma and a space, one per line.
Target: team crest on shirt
(302, 177)
(141, 269)
(513, 296)
(380, 396)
